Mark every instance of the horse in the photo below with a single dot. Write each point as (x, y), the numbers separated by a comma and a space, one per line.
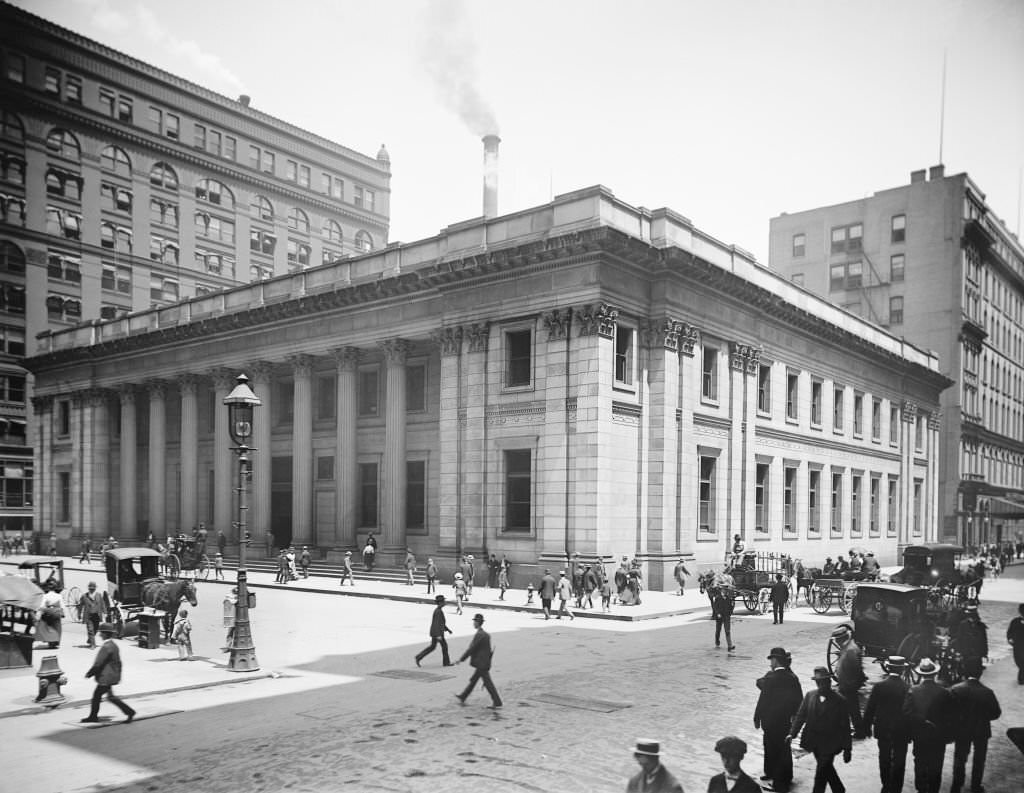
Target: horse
(706, 580)
(166, 596)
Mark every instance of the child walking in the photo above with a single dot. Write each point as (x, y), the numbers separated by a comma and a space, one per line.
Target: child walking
(606, 596)
(459, 585)
(502, 581)
(182, 634)
(218, 566)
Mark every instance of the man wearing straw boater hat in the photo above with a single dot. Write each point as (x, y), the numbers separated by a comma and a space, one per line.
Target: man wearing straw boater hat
(883, 718)
(929, 708)
(653, 777)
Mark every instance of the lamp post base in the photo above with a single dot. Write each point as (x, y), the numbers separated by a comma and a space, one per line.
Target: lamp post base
(243, 659)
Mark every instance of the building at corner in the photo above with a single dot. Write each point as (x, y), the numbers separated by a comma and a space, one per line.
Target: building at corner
(580, 376)
(931, 261)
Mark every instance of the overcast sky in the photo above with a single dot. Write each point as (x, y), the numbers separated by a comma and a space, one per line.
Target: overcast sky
(727, 112)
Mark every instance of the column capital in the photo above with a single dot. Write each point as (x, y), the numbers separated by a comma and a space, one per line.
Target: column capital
(478, 335)
(449, 339)
(395, 351)
(187, 383)
(346, 358)
(935, 420)
(97, 397)
(558, 323)
(302, 365)
(688, 338)
(223, 378)
(663, 333)
(597, 319)
(744, 357)
(126, 393)
(909, 412)
(262, 372)
(157, 388)
(42, 403)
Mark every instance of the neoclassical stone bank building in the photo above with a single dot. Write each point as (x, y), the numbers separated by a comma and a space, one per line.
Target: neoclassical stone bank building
(581, 376)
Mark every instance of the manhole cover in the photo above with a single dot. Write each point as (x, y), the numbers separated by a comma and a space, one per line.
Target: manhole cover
(581, 703)
(413, 674)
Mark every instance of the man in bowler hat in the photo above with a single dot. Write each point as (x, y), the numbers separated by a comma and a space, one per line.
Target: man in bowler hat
(479, 654)
(777, 704)
(883, 718)
(653, 777)
(825, 720)
(438, 628)
(732, 779)
(107, 671)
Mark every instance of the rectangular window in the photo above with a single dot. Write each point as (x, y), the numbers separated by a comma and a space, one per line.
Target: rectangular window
(172, 126)
(268, 161)
(799, 245)
(892, 515)
(706, 502)
(792, 396)
(917, 507)
(15, 68)
(899, 228)
(262, 242)
(876, 420)
(518, 490)
(124, 109)
(64, 507)
(919, 433)
(107, 99)
(156, 119)
(764, 389)
(858, 415)
(789, 501)
(837, 505)
(63, 418)
(816, 403)
(415, 494)
(623, 355)
(709, 373)
(837, 409)
(854, 274)
(254, 157)
(894, 425)
(325, 467)
(72, 90)
(518, 368)
(291, 169)
(416, 388)
(325, 397)
(215, 138)
(368, 495)
(897, 267)
(303, 176)
(325, 183)
(13, 340)
(837, 277)
(847, 239)
(230, 148)
(873, 525)
(855, 485)
(813, 488)
(199, 136)
(369, 392)
(761, 489)
(117, 278)
(896, 310)
(51, 81)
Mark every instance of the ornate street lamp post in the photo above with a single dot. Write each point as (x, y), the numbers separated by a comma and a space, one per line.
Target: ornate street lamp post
(241, 402)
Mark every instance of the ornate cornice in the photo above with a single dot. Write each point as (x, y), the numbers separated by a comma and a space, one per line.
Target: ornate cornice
(346, 358)
(558, 323)
(396, 351)
(478, 334)
(449, 339)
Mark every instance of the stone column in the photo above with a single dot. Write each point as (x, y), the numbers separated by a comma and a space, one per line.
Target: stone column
(96, 470)
(157, 458)
(556, 484)
(263, 418)
(933, 527)
(42, 451)
(744, 361)
(688, 386)
(449, 433)
(346, 446)
(472, 419)
(393, 481)
(223, 480)
(129, 462)
(80, 495)
(189, 451)
(907, 441)
(302, 450)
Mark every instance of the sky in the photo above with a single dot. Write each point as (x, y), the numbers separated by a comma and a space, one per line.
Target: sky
(727, 112)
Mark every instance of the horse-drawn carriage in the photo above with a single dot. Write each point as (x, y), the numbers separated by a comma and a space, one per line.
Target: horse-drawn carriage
(900, 619)
(186, 555)
(941, 568)
(752, 574)
(48, 571)
(134, 586)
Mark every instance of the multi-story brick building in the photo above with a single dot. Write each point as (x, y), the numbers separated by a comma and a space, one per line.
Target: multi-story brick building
(124, 187)
(931, 262)
(580, 376)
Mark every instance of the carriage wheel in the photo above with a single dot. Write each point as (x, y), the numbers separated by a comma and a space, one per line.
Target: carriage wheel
(750, 601)
(846, 602)
(172, 566)
(764, 600)
(203, 568)
(71, 597)
(821, 599)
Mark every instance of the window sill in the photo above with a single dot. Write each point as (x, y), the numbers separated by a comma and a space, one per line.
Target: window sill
(816, 426)
(764, 414)
(712, 401)
(517, 389)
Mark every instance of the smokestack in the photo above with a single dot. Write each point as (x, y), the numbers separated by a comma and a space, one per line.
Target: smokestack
(491, 175)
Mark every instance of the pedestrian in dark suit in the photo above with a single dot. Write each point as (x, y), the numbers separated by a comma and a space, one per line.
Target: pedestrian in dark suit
(548, 587)
(653, 777)
(883, 717)
(438, 628)
(976, 708)
(1015, 637)
(732, 780)
(107, 671)
(825, 720)
(92, 608)
(777, 704)
(850, 675)
(929, 709)
(721, 608)
(779, 596)
(971, 639)
(479, 654)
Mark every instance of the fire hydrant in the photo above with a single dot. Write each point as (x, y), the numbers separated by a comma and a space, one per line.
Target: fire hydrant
(51, 678)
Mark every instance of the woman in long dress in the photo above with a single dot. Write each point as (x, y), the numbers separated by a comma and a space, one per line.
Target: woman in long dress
(49, 618)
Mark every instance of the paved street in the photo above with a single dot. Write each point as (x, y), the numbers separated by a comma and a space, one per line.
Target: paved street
(346, 707)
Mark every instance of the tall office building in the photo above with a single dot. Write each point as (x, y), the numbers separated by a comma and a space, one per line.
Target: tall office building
(930, 261)
(124, 187)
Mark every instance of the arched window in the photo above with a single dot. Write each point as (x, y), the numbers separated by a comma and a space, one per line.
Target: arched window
(213, 191)
(12, 168)
(297, 220)
(114, 160)
(332, 231)
(162, 175)
(364, 242)
(260, 207)
(11, 127)
(12, 258)
(64, 144)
